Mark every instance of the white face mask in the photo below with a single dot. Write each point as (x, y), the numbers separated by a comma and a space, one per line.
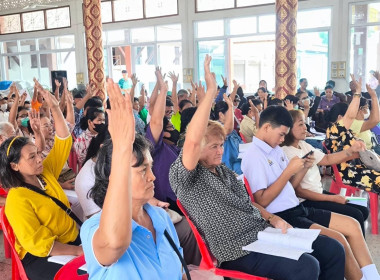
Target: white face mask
(366, 116)
(4, 107)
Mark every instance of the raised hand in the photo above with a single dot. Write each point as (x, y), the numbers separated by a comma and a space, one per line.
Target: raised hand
(173, 77)
(134, 79)
(253, 107)
(289, 105)
(50, 101)
(200, 92)
(236, 85)
(377, 75)
(371, 91)
(225, 83)
(227, 100)
(90, 89)
(35, 122)
(358, 83)
(316, 92)
(121, 122)
(160, 80)
(209, 77)
(142, 90)
(57, 83)
(69, 98)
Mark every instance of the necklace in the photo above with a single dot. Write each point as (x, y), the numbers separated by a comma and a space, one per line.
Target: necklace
(42, 182)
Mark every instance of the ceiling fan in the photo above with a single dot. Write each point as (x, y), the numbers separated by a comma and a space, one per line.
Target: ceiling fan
(39, 6)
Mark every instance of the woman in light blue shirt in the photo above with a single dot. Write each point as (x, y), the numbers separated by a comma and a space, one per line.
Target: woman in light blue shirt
(127, 239)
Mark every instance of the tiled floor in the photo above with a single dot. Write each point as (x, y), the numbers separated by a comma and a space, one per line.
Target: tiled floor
(373, 242)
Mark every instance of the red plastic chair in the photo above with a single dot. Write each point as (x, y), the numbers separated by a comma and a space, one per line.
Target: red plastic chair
(73, 161)
(207, 262)
(7, 247)
(336, 186)
(242, 137)
(70, 270)
(248, 188)
(18, 272)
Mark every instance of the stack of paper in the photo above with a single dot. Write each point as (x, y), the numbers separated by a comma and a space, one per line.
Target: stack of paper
(362, 201)
(291, 245)
(64, 259)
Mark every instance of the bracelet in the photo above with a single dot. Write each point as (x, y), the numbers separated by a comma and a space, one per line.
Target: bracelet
(270, 218)
(357, 94)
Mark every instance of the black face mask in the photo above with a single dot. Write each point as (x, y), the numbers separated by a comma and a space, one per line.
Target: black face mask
(174, 136)
(99, 127)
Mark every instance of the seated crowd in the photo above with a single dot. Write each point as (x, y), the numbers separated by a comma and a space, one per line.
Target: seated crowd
(138, 156)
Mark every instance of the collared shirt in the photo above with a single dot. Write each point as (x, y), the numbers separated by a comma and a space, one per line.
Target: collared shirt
(248, 128)
(219, 207)
(144, 259)
(125, 83)
(81, 145)
(262, 165)
(326, 105)
(163, 156)
(139, 123)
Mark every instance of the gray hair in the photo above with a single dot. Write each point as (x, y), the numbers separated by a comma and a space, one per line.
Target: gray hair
(5, 127)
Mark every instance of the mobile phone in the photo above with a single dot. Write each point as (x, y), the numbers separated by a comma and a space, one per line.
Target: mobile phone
(308, 154)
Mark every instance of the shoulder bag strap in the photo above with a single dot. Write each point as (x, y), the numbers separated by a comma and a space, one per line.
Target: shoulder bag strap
(57, 201)
(171, 241)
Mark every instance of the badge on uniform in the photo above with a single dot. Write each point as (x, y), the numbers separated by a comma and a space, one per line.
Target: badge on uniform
(270, 162)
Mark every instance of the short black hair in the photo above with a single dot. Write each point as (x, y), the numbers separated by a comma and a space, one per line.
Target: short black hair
(93, 102)
(186, 117)
(331, 83)
(328, 87)
(183, 103)
(135, 99)
(103, 166)
(336, 110)
(275, 102)
(245, 109)
(292, 98)
(92, 114)
(220, 107)
(302, 79)
(169, 103)
(9, 177)
(276, 116)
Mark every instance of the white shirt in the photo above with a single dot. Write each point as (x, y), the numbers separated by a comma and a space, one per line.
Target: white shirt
(312, 179)
(4, 116)
(262, 165)
(84, 181)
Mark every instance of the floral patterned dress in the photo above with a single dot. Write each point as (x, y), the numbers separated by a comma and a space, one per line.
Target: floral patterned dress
(339, 138)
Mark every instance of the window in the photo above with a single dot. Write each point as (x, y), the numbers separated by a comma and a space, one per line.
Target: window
(365, 40)
(145, 34)
(212, 5)
(10, 24)
(169, 32)
(33, 21)
(210, 28)
(127, 10)
(38, 57)
(106, 11)
(159, 8)
(57, 18)
(244, 48)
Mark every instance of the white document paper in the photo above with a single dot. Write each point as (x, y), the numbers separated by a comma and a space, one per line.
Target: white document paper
(362, 201)
(64, 259)
(291, 245)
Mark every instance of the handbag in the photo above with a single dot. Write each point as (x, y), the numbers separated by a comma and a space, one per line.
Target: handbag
(370, 159)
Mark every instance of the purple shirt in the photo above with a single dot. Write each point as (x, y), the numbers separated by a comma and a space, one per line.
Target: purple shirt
(326, 105)
(163, 156)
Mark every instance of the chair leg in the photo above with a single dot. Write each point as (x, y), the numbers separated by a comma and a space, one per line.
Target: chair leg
(374, 206)
(7, 248)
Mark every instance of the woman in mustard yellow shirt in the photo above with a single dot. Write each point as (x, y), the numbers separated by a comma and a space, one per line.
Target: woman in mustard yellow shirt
(41, 227)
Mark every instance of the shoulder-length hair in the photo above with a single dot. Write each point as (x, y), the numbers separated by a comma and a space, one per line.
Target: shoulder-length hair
(10, 178)
(289, 138)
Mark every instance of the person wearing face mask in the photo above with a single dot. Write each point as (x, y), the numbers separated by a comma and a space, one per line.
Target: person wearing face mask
(92, 123)
(3, 109)
(366, 118)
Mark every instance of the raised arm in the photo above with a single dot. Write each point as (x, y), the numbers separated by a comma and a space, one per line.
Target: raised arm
(114, 234)
(229, 122)
(35, 124)
(153, 98)
(142, 97)
(174, 97)
(158, 113)
(62, 101)
(352, 110)
(135, 80)
(315, 106)
(198, 125)
(60, 126)
(13, 112)
(89, 94)
(70, 116)
(57, 86)
(256, 113)
(374, 117)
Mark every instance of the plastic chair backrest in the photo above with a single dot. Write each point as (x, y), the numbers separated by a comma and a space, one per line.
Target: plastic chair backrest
(70, 270)
(18, 272)
(3, 192)
(248, 188)
(207, 259)
(242, 137)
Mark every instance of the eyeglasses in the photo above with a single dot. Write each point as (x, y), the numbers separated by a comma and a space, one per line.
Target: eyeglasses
(236, 100)
(168, 112)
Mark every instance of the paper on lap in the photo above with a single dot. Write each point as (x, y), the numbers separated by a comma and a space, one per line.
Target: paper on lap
(64, 259)
(291, 245)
